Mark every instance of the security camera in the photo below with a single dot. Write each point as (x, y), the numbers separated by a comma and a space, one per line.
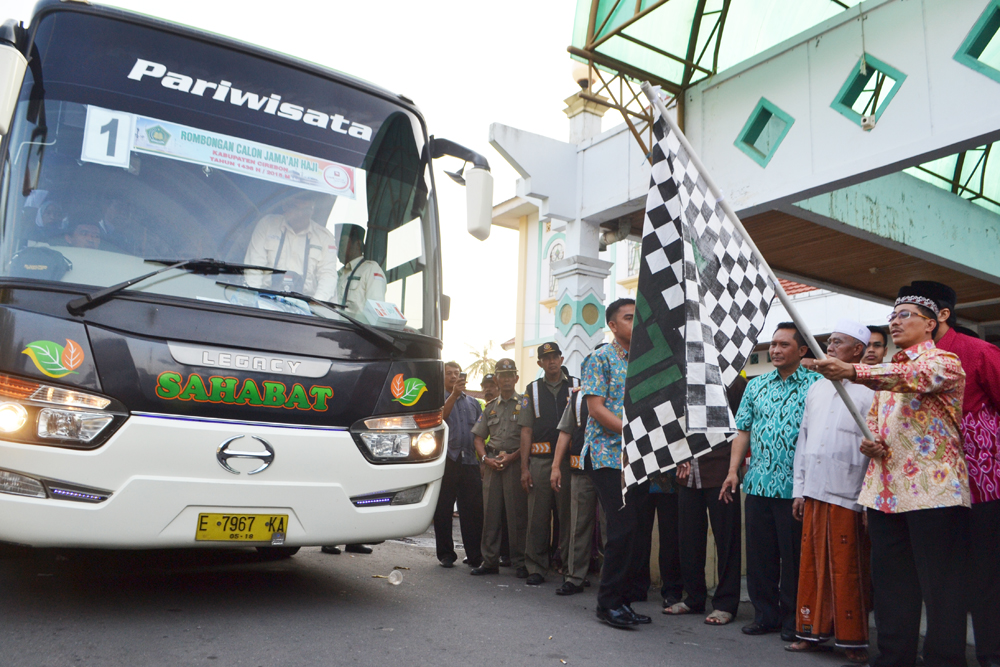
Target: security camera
(868, 123)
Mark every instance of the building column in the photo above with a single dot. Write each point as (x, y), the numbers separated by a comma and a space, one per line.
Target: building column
(580, 310)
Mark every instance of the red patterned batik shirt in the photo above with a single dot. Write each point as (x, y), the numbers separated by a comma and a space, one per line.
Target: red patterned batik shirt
(980, 412)
(918, 412)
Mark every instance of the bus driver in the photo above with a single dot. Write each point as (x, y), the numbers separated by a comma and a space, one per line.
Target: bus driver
(291, 240)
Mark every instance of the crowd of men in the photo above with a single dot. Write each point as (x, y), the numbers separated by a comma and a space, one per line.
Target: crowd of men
(839, 522)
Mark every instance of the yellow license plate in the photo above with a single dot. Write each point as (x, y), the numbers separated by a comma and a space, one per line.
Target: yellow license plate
(240, 527)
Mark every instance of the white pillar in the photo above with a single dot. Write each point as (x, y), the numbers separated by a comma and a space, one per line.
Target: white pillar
(580, 310)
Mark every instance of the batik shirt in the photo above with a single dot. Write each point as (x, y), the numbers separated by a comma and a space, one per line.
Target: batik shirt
(980, 412)
(771, 410)
(918, 412)
(604, 375)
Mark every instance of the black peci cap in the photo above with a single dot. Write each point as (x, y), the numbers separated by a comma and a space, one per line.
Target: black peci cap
(943, 295)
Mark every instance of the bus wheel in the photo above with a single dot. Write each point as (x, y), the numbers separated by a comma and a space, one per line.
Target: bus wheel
(277, 553)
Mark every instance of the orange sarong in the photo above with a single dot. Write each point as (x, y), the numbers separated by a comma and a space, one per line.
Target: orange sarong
(834, 576)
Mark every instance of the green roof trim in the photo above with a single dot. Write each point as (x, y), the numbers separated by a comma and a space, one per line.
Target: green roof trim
(854, 88)
(764, 131)
(978, 42)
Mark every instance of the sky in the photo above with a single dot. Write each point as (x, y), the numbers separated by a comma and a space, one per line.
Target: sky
(465, 64)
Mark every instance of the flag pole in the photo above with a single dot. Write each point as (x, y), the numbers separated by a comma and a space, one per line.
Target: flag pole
(813, 344)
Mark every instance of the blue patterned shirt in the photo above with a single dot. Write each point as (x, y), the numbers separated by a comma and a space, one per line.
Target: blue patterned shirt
(771, 410)
(604, 375)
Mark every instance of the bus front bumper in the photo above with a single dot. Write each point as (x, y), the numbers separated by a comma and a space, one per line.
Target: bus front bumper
(163, 473)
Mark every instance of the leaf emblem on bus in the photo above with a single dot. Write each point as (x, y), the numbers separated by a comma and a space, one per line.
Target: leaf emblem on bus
(53, 359)
(407, 392)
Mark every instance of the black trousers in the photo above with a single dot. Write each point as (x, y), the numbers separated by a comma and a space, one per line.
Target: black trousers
(621, 580)
(725, 517)
(920, 556)
(774, 542)
(985, 590)
(462, 483)
(662, 506)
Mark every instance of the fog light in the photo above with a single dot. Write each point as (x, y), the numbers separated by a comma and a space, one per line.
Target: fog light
(387, 445)
(409, 496)
(12, 417)
(426, 444)
(71, 424)
(20, 485)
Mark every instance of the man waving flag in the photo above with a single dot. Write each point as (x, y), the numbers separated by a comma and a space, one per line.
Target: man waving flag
(700, 306)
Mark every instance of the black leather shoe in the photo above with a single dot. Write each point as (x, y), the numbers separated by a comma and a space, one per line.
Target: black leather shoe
(482, 569)
(522, 572)
(640, 619)
(331, 550)
(535, 580)
(569, 588)
(475, 563)
(616, 618)
(504, 561)
(357, 549)
(447, 562)
(586, 583)
(788, 636)
(465, 561)
(758, 629)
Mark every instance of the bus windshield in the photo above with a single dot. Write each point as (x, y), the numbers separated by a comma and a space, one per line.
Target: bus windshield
(132, 144)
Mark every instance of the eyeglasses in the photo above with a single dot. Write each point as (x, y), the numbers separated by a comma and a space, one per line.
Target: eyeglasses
(905, 315)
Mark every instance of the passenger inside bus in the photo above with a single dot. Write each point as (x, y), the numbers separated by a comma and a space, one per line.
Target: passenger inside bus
(83, 235)
(358, 280)
(292, 241)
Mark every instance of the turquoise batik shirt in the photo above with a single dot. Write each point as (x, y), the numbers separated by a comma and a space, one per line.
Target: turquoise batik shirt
(771, 410)
(604, 375)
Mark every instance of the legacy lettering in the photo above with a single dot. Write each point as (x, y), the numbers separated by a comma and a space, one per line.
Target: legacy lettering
(228, 360)
(267, 103)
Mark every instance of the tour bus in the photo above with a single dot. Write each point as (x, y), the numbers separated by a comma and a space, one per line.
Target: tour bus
(183, 362)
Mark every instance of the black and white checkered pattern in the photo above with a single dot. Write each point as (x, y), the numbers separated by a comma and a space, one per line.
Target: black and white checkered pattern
(700, 287)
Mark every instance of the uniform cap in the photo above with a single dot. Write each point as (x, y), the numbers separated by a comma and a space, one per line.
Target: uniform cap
(548, 348)
(505, 365)
(489, 377)
(854, 330)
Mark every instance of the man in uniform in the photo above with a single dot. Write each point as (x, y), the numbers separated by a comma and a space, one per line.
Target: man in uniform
(583, 496)
(293, 242)
(489, 387)
(501, 473)
(491, 391)
(543, 404)
(358, 280)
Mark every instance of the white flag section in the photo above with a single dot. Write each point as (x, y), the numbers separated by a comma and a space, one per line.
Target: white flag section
(701, 289)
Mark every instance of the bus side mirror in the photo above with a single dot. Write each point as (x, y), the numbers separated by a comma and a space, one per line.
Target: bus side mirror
(479, 202)
(12, 68)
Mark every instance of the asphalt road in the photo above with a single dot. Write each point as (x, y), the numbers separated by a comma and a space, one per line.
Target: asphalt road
(197, 607)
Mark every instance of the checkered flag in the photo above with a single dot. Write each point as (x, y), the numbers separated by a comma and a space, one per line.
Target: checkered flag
(701, 291)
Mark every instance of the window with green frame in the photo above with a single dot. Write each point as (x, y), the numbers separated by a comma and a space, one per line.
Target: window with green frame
(764, 131)
(981, 48)
(868, 90)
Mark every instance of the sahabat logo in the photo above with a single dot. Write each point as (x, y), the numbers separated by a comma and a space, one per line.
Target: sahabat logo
(53, 359)
(407, 392)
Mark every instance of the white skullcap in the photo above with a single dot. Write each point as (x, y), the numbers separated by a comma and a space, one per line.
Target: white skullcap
(853, 329)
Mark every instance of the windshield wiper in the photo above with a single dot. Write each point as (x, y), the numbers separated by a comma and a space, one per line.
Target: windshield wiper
(208, 266)
(371, 331)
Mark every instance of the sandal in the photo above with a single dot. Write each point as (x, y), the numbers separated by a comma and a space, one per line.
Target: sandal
(858, 656)
(677, 609)
(802, 646)
(719, 618)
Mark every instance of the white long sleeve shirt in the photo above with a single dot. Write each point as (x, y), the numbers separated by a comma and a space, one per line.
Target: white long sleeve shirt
(829, 465)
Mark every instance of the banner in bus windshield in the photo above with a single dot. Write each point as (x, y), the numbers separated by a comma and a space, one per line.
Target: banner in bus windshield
(111, 136)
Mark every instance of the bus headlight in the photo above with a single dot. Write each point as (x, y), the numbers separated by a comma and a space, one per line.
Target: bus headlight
(412, 438)
(12, 417)
(71, 424)
(42, 414)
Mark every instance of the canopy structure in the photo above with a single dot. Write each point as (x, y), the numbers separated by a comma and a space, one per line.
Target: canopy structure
(677, 43)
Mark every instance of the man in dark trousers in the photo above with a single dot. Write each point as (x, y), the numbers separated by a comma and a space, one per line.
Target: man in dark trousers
(462, 481)
(542, 406)
(604, 389)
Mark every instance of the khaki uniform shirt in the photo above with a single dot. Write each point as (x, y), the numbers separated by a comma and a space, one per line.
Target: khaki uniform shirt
(499, 423)
(321, 274)
(368, 282)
